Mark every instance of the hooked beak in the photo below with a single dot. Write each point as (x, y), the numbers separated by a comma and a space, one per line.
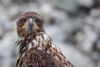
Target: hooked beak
(30, 23)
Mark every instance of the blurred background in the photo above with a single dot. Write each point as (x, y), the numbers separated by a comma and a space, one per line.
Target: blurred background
(74, 26)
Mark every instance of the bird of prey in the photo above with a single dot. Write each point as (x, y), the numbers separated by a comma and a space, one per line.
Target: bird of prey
(36, 48)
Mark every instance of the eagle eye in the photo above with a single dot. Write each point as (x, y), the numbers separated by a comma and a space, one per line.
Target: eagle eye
(25, 24)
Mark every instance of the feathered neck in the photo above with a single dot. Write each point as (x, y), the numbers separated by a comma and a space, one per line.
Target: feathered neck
(41, 41)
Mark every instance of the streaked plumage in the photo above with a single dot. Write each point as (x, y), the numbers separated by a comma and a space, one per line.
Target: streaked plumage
(36, 47)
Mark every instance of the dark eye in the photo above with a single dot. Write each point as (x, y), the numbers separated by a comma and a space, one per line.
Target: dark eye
(24, 20)
(39, 20)
(36, 20)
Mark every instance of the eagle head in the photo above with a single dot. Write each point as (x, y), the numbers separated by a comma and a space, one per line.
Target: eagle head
(29, 24)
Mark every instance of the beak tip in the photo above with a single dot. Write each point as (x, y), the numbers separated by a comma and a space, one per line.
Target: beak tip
(30, 26)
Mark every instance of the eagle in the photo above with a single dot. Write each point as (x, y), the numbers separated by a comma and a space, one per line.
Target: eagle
(36, 48)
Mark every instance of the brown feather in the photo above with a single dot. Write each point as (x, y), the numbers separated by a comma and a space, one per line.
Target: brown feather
(38, 49)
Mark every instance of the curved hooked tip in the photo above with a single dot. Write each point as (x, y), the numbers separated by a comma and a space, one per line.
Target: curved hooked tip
(30, 23)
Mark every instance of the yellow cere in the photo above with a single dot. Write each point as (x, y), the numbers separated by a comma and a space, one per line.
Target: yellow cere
(35, 26)
(25, 26)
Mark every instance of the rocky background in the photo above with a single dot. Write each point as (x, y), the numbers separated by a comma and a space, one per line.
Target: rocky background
(74, 26)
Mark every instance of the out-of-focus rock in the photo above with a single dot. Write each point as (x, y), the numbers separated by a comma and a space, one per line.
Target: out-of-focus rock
(1, 33)
(67, 5)
(14, 12)
(96, 3)
(96, 50)
(95, 56)
(84, 40)
(23, 1)
(6, 49)
(85, 3)
(96, 45)
(46, 8)
(4, 27)
(95, 13)
(5, 2)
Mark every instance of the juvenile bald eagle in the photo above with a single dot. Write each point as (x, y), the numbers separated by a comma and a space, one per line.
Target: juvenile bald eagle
(36, 47)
